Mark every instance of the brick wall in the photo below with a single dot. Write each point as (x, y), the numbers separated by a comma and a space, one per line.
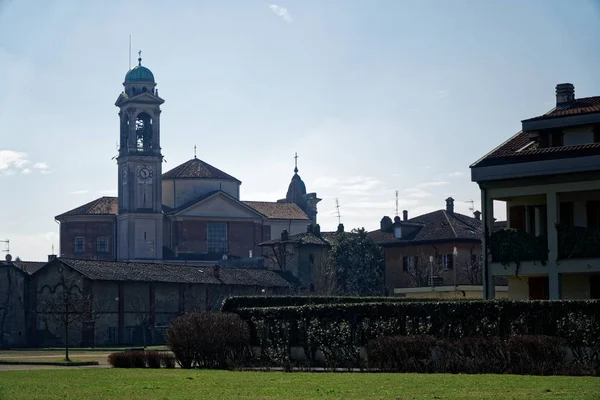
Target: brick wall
(397, 277)
(191, 236)
(90, 231)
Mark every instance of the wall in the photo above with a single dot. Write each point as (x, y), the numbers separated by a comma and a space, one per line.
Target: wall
(13, 306)
(518, 288)
(575, 286)
(180, 191)
(90, 229)
(396, 277)
(578, 135)
(292, 226)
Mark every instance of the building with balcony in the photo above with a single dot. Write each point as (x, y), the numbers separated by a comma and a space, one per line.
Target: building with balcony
(548, 176)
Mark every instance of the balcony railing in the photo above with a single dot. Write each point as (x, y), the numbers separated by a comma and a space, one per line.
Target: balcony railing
(513, 246)
(578, 242)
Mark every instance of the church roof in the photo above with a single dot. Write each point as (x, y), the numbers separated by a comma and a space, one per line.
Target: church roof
(139, 73)
(103, 206)
(296, 189)
(274, 210)
(197, 169)
(158, 272)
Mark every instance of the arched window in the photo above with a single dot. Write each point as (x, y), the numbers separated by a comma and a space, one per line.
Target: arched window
(144, 89)
(143, 131)
(133, 91)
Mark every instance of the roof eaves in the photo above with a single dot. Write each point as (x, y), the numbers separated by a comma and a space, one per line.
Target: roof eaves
(474, 165)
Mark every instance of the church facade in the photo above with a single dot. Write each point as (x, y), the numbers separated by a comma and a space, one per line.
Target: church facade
(190, 214)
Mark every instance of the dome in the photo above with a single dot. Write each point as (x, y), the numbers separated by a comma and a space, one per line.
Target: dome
(296, 190)
(139, 74)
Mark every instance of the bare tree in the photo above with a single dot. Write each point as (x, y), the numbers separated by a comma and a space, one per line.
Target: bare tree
(420, 270)
(279, 255)
(143, 312)
(68, 307)
(325, 280)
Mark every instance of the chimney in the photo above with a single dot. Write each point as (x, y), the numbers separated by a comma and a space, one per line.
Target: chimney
(565, 95)
(450, 205)
(8, 258)
(405, 215)
(51, 257)
(309, 228)
(386, 224)
(477, 215)
(217, 271)
(284, 235)
(340, 228)
(317, 230)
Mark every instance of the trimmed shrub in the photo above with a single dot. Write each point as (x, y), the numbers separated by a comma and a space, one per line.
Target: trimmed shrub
(209, 340)
(536, 355)
(154, 359)
(475, 355)
(231, 304)
(403, 353)
(127, 359)
(168, 360)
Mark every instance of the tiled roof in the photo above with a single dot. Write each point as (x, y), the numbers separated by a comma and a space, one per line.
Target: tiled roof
(102, 206)
(585, 105)
(521, 148)
(273, 210)
(196, 168)
(154, 272)
(300, 238)
(435, 226)
(30, 266)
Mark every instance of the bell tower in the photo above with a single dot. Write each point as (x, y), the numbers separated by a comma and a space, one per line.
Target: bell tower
(140, 219)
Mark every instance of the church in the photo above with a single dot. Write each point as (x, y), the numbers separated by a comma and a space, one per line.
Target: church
(190, 214)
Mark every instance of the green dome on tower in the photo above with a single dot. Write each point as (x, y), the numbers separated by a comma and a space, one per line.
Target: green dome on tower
(139, 74)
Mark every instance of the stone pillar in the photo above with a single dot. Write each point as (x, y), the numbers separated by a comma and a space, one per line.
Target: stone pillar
(487, 206)
(554, 285)
(551, 220)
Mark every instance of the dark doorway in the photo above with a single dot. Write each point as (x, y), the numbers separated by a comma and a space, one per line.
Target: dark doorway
(538, 288)
(594, 286)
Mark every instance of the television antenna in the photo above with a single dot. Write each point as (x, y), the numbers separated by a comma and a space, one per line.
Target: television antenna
(7, 243)
(337, 208)
(397, 203)
(472, 205)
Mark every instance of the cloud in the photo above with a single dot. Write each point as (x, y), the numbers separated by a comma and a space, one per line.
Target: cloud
(416, 193)
(10, 159)
(353, 185)
(431, 184)
(441, 94)
(40, 165)
(455, 174)
(76, 192)
(281, 12)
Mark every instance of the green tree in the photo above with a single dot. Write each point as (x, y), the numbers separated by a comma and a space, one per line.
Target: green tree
(356, 264)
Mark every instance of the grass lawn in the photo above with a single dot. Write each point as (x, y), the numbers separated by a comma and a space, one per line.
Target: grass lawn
(163, 384)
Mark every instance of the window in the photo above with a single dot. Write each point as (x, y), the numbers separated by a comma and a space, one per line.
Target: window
(217, 237)
(566, 214)
(102, 244)
(447, 262)
(409, 263)
(79, 244)
(593, 214)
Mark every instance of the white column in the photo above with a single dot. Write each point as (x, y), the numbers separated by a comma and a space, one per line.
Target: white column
(487, 206)
(554, 289)
(551, 219)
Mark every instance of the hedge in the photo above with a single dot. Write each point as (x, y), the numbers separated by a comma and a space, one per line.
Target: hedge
(231, 304)
(339, 331)
(209, 340)
(141, 359)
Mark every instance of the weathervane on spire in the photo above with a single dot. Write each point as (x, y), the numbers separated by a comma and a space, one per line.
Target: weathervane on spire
(194, 151)
(296, 163)
(140, 58)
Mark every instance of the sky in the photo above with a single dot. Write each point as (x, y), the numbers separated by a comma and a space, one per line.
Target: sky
(374, 96)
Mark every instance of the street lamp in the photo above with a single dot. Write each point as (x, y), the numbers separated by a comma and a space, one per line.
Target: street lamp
(455, 266)
(431, 272)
